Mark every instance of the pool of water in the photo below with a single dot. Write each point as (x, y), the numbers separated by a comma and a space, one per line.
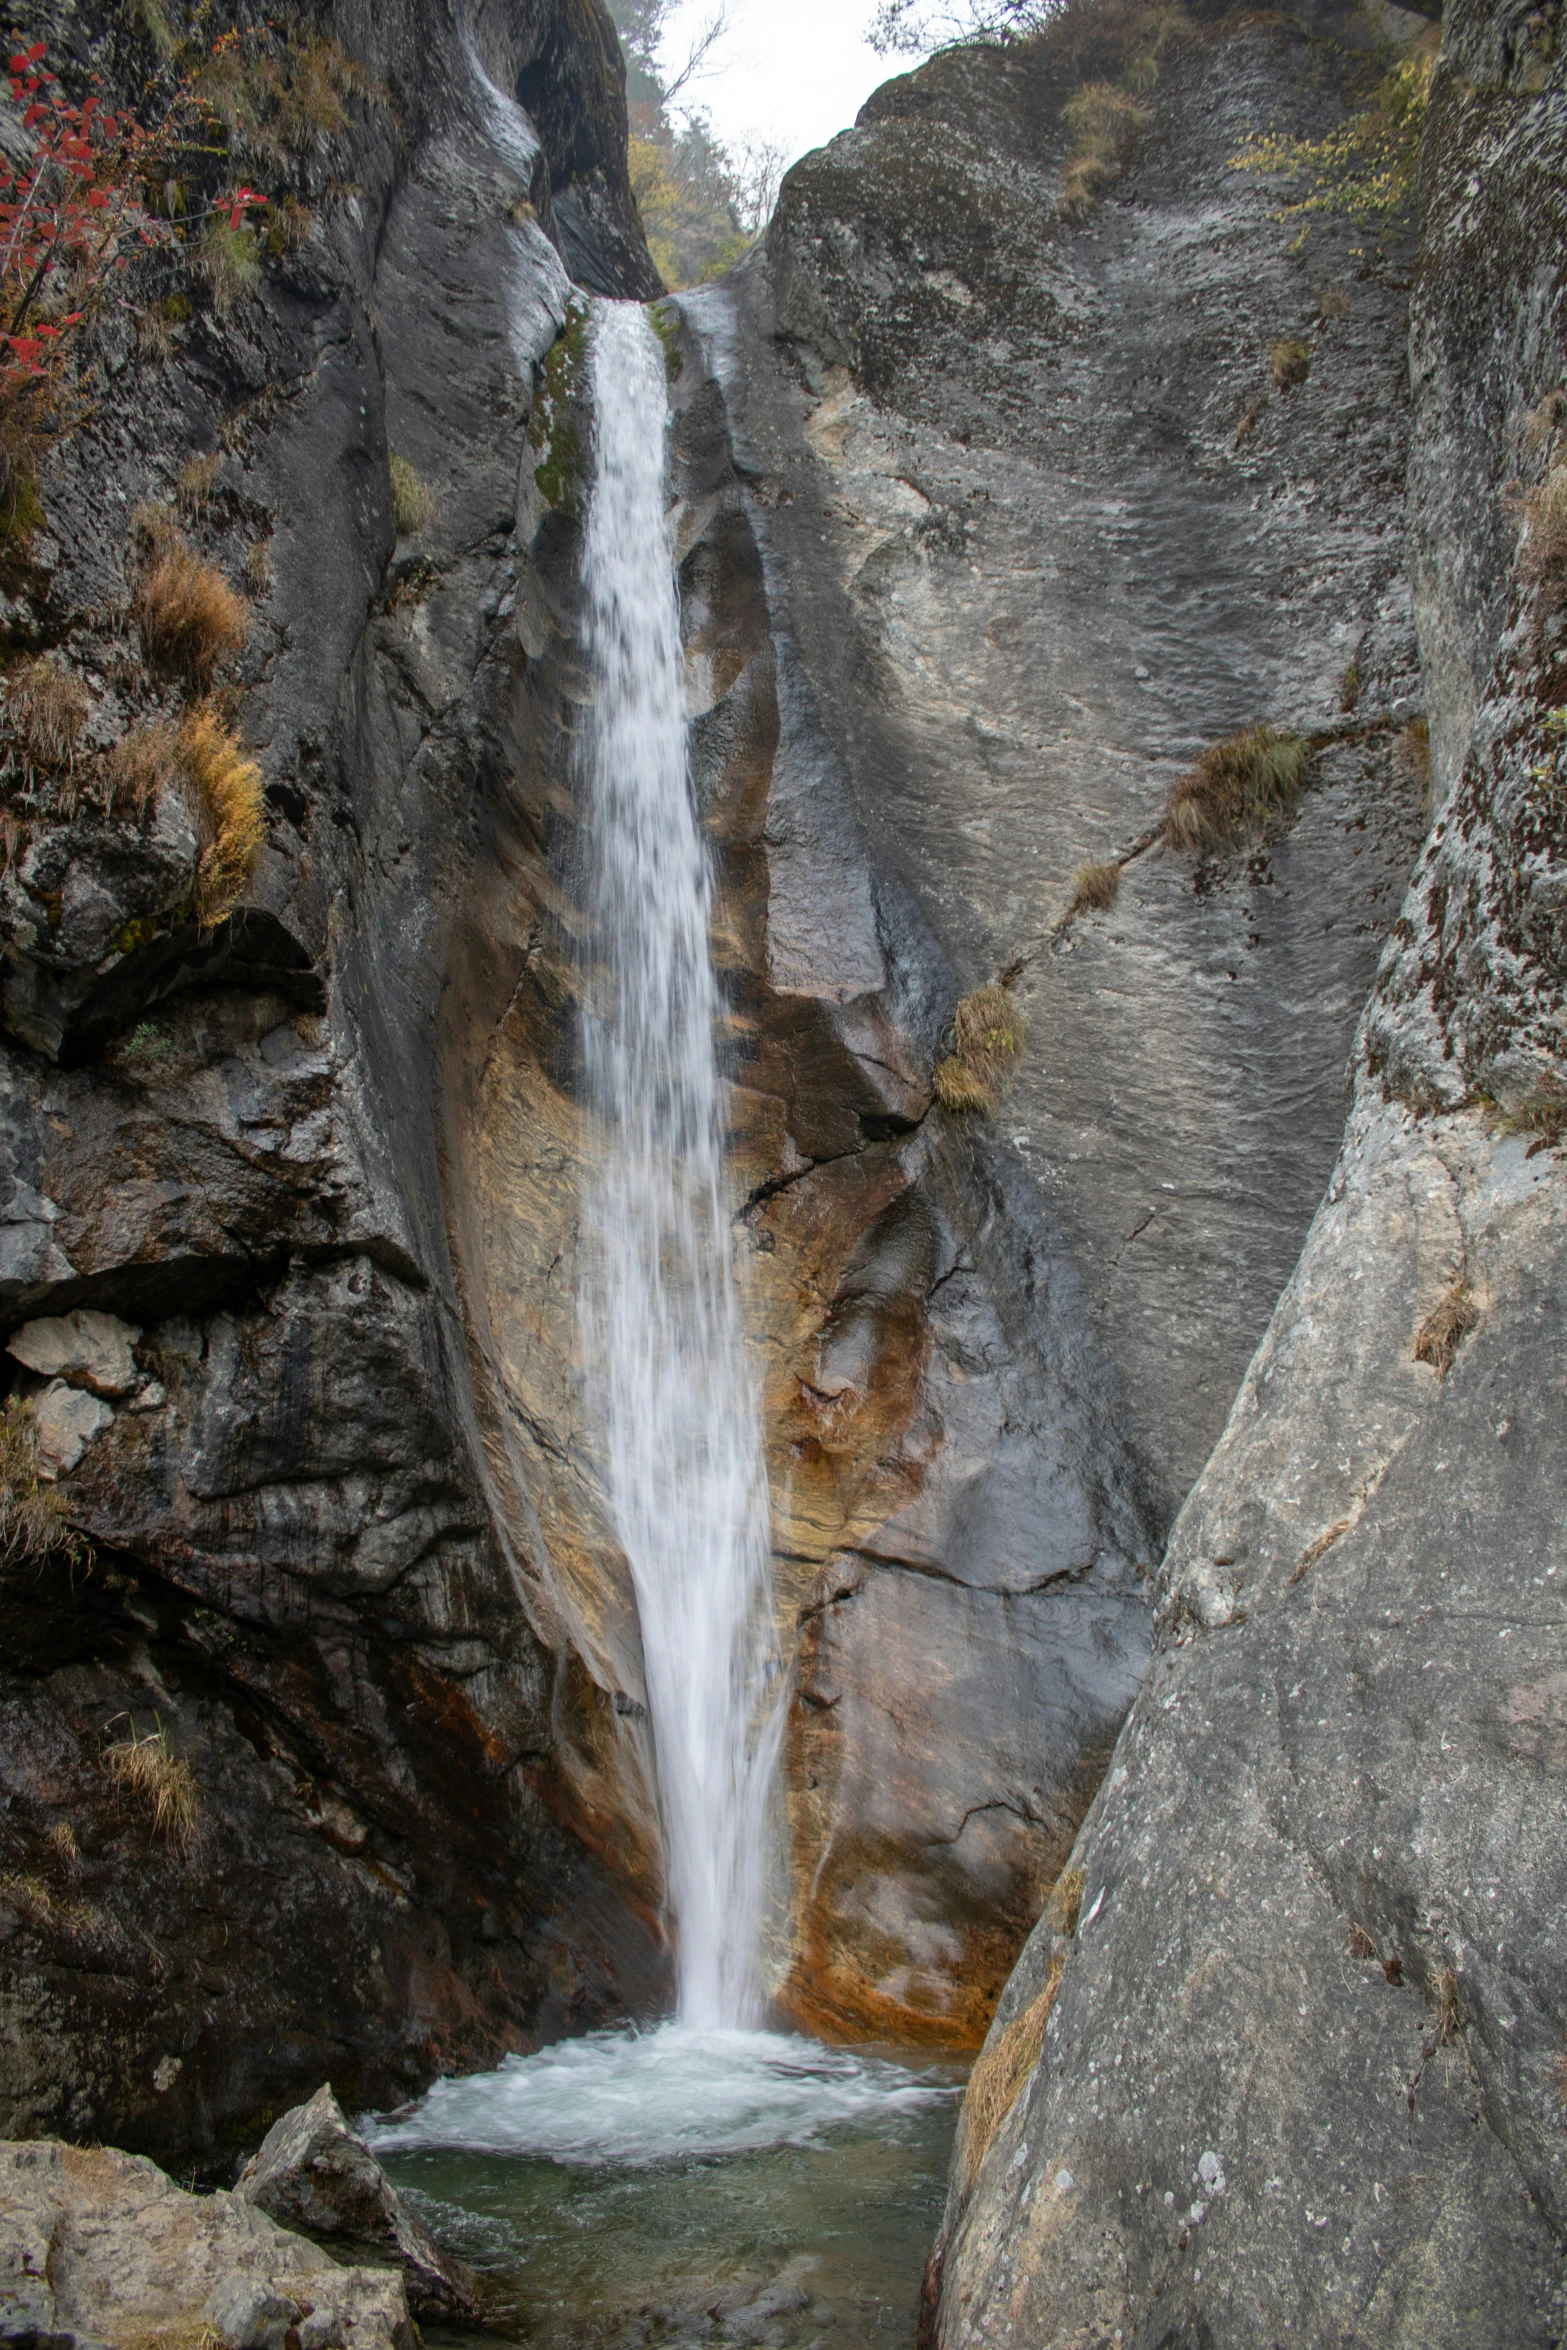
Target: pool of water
(671, 2188)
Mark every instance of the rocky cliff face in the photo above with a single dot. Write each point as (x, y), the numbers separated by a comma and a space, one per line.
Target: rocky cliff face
(1013, 471)
(230, 1139)
(1288, 2064)
(1035, 522)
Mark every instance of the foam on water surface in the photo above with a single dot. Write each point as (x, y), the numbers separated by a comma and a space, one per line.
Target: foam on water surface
(625, 2099)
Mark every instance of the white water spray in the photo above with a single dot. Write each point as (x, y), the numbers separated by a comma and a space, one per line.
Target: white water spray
(687, 1481)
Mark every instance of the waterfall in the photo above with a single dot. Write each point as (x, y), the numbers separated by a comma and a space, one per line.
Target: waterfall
(687, 1484)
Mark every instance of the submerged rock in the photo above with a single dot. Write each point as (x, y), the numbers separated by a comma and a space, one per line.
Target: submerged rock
(98, 2246)
(311, 2172)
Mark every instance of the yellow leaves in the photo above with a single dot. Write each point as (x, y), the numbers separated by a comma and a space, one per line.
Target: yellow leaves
(1369, 164)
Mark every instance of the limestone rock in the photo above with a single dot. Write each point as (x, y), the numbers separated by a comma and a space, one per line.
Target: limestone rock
(101, 2245)
(65, 1421)
(88, 1349)
(313, 2173)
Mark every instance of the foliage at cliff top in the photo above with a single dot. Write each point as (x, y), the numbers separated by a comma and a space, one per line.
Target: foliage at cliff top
(702, 204)
(1369, 165)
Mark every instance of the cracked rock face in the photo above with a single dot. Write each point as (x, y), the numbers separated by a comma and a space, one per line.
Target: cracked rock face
(1321, 1885)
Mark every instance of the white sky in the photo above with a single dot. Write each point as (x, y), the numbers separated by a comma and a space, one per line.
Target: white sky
(795, 70)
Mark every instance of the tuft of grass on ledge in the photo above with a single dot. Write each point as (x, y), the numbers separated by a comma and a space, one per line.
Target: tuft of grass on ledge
(413, 504)
(987, 1032)
(1094, 889)
(148, 1770)
(1237, 790)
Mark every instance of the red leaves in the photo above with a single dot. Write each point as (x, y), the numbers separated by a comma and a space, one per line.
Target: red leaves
(240, 203)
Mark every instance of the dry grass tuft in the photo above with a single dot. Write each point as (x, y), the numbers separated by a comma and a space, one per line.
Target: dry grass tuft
(258, 566)
(228, 801)
(1349, 686)
(198, 479)
(1250, 421)
(1002, 2069)
(1094, 889)
(32, 1513)
(227, 264)
(958, 1089)
(1542, 553)
(1445, 1328)
(413, 506)
(45, 710)
(135, 771)
(1412, 752)
(1238, 788)
(987, 1031)
(1543, 1116)
(1542, 423)
(1333, 302)
(190, 618)
(148, 1771)
(63, 1838)
(1100, 119)
(1290, 360)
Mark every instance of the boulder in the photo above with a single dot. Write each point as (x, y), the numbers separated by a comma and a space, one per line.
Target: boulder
(65, 1421)
(314, 2174)
(98, 2246)
(85, 1349)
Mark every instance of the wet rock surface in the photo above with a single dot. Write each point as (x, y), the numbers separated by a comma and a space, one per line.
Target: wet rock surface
(1020, 562)
(1296, 2075)
(222, 1150)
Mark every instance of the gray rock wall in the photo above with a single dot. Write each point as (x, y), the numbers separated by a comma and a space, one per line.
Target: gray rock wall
(1297, 2074)
(1021, 564)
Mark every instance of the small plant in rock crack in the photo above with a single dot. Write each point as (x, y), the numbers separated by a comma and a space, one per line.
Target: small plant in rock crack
(146, 1049)
(413, 505)
(1095, 888)
(1290, 360)
(1445, 1328)
(987, 1032)
(147, 1769)
(32, 1511)
(1237, 790)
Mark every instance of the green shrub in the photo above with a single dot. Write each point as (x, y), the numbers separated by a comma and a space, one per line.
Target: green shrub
(1368, 167)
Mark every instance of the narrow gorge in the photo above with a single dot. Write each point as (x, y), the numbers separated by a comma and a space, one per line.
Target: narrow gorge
(783, 1077)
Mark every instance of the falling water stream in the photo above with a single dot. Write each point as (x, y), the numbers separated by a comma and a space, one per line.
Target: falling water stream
(687, 1481)
(706, 2180)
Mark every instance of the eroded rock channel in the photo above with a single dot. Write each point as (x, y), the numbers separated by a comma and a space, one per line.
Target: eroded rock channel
(1161, 1471)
